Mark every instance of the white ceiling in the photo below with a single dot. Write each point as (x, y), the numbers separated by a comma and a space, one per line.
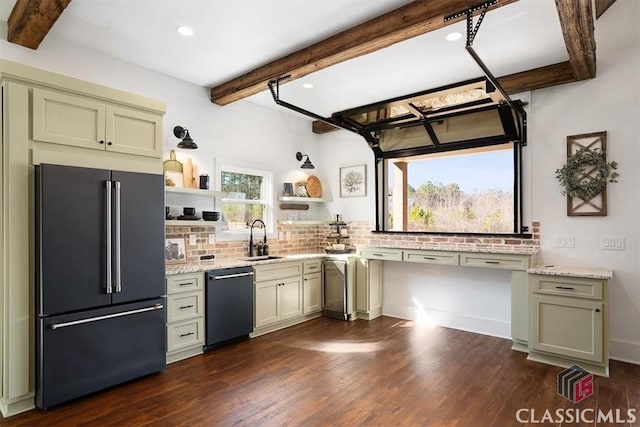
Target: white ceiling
(235, 36)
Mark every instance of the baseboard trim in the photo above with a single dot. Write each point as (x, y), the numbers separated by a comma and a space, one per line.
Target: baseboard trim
(478, 325)
(12, 407)
(624, 351)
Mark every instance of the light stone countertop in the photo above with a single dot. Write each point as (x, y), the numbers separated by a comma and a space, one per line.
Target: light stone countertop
(218, 263)
(572, 271)
(476, 248)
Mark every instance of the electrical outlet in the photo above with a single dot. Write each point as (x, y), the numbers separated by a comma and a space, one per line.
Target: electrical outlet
(192, 239)
(611, 243)
(564, 241)
(212, 239)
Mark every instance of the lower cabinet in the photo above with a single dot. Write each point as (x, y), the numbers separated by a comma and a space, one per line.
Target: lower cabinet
(369, 288)
(185, 315)
(312, 286)
(280, 297)
(568, 322)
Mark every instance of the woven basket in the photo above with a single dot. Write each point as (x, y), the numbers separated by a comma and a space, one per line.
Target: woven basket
(314, 188)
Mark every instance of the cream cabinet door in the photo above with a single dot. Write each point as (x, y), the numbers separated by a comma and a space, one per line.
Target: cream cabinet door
(570, 327)
(132, 131)
(368, 286)
(312, 293)
(290, 298)
(61, 118)
(267, 302)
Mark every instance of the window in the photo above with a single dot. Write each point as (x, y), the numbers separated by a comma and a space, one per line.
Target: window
(248, 197)
(463, 191)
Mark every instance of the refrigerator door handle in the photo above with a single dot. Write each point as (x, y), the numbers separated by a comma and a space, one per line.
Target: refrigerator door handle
(117, 234)
(108, 316)
(108, 237)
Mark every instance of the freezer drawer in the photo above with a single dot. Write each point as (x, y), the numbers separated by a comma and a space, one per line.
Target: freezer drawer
(88, 351)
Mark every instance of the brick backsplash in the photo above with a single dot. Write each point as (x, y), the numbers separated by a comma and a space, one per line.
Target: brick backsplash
(306, 238)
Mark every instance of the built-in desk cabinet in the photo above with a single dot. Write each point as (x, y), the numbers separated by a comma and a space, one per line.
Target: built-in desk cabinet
(568, 323)
(185, 315)
(370, 279)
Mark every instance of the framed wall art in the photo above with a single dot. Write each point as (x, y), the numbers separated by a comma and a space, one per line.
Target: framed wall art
(175, 250)
(353, 181)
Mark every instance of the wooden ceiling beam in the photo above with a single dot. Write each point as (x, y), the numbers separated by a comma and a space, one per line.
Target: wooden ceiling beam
(31, 20)
(411, 20)
(537, 78)
(576, 21)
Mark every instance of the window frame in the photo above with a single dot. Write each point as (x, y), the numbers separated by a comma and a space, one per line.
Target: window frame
(267, 200)
(381, 170)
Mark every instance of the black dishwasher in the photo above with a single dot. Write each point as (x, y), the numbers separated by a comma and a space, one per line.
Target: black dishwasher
(229, 306)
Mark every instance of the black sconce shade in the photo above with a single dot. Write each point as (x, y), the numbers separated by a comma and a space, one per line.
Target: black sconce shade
(307, 163)
(186, 142)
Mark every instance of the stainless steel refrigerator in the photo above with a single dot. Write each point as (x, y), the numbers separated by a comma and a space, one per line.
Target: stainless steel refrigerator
(99, 280)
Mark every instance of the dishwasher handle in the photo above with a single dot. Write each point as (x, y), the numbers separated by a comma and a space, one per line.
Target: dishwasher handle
(231, 276)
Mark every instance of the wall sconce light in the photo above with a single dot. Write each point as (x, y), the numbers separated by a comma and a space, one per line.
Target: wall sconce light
(307, 163)
(187, 142)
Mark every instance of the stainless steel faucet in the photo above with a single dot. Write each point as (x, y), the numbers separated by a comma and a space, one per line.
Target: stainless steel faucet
(264, 227)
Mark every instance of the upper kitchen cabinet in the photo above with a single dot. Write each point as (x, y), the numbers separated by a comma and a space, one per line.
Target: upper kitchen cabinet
(81, 121)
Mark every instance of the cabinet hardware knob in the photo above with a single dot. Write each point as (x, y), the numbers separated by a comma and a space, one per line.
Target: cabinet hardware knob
(186, 335)
(597, 310)
(492, 262)
(185, 306)
(186, 284)
(430, 258)
(568, 288)
(109, 143)
(101, 142)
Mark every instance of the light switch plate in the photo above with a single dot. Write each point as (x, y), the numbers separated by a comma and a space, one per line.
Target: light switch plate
(564, 241)
(612, 243)
(212, 239)
(192, 239)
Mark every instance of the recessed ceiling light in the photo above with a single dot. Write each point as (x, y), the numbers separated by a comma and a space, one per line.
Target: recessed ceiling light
(456, 35)
(307, 85)
(184, 30)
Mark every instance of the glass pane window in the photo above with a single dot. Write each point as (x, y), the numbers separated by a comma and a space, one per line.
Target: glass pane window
(247, 197)
(466, 191)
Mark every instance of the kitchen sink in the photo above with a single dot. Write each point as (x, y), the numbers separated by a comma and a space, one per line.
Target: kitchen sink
(261, 258)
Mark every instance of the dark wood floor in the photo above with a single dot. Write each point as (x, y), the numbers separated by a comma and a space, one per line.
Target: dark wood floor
(386, 372)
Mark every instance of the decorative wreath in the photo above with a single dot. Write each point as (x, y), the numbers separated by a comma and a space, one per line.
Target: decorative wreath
(577, 180)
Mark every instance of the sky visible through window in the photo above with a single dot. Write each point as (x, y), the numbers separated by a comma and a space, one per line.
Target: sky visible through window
(472, 172)
(470, 192)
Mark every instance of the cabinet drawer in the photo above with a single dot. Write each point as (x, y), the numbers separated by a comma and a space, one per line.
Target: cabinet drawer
(504, 261)
(568, 286)
(277, 271)
(185, 306)
(312, 266)
(431, 257)
(185, 334)
(384, 254)
(185, 282)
